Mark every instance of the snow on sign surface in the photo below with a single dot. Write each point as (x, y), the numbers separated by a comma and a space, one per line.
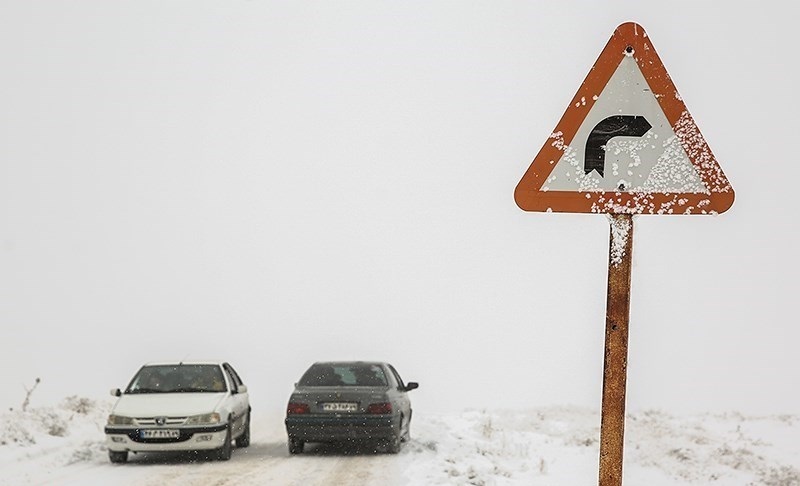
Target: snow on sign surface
(626, 144)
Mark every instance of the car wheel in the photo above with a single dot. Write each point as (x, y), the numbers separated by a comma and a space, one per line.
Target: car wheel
(393, 445)
(224, 452)
(405, 437)
(244, 439)
(296, 446)
(118, 457)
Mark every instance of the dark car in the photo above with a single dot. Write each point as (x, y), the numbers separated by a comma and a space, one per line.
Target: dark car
(352, 401)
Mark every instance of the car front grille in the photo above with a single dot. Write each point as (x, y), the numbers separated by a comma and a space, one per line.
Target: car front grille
(154, 421)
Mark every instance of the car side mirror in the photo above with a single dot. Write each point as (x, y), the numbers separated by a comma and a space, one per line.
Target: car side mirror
(412, 385)
(115, 392)
(242, 389)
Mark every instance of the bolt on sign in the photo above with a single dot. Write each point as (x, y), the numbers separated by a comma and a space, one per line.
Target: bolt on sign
(626, 145)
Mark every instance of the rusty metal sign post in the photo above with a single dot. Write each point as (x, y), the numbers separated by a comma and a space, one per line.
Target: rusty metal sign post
(626, 145)
(615, 365)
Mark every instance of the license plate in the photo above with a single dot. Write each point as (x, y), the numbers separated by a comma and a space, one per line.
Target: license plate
(160, 434)
(339, 407)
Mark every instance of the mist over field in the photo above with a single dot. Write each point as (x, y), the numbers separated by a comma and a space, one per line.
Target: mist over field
(275, 184)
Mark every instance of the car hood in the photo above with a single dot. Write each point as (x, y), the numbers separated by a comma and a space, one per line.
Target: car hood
(167, 404)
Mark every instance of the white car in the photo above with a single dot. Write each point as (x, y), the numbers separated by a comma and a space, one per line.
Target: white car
(186, 406)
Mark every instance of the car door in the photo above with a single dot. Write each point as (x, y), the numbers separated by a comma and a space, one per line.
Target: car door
(403, 402)
(239, 398)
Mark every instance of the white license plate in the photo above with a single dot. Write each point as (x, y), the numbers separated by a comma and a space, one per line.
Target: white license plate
(160, 434)
(339, 407)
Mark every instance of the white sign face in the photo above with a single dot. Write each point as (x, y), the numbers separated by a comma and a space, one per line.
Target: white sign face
(630, 158)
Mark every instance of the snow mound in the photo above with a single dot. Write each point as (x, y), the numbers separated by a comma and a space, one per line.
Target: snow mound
(561, 446)
(54, 436)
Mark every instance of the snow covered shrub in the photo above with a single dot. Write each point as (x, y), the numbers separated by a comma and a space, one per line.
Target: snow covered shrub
(15, 431)
(53, 423)
(487, 428)
(30, 426)
(782, 476)
(79, 405)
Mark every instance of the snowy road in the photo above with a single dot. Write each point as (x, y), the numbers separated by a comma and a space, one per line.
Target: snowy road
(266, 461)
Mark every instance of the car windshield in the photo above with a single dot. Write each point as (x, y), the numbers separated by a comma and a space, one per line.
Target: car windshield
(359, 374)
(182, 378)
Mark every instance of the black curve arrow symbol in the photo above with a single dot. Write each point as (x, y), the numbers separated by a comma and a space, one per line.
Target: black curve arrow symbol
(613, 126)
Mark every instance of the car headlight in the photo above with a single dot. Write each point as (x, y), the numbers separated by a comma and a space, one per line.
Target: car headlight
(119, 420)
(206, 418)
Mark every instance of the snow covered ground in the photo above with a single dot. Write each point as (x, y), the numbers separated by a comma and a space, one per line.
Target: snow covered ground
(63, 445)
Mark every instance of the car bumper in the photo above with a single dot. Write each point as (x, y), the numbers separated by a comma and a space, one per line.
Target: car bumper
(120, 439)
(315, 428)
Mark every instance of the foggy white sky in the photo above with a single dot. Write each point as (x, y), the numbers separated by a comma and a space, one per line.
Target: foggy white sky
(276, 183)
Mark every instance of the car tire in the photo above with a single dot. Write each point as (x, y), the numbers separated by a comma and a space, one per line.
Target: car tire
(407, 436)
(224, 452)
(394, 444)
(296, 446)
(244, 439)
(118, 457)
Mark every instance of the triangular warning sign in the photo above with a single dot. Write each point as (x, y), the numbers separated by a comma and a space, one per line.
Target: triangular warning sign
(626, 144)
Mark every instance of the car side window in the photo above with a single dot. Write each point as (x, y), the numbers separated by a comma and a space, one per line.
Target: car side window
(234, 374)
(234, 383)
(397, 377)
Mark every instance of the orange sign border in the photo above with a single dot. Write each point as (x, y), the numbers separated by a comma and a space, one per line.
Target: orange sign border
(528, 194)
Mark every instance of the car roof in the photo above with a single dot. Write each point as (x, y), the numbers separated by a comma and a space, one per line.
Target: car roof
(348, 363)
(185, 362)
